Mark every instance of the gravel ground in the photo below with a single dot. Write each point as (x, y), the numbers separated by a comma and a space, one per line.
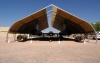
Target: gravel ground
(49, 52)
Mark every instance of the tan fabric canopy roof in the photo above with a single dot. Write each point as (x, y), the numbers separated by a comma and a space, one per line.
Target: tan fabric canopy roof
(35, 21)
(63, 20)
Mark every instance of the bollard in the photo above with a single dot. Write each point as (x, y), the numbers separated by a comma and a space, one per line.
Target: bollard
(59, 41)
(84, 41)
(31, 41)
(8, 40)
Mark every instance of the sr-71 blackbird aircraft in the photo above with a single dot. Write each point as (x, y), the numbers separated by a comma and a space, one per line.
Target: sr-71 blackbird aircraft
(49, 35)
(61, 20)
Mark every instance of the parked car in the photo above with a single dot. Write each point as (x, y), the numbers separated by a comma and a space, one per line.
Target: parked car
(94, 36)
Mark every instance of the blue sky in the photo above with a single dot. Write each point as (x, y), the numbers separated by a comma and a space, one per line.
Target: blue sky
(14, 10)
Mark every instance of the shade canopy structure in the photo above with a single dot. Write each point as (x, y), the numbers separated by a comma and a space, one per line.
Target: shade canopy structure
(69, 23)
(36, 21)
(60, 20)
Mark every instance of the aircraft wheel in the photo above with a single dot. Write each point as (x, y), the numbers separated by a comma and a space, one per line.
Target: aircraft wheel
(21, 38)
(94, 38)
(50, 40)
(78, 38)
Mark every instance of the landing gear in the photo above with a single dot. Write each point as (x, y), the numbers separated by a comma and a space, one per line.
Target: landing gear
(78, 38)
(21, 38)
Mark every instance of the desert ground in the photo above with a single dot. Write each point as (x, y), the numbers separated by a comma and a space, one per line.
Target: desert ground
(49, 52)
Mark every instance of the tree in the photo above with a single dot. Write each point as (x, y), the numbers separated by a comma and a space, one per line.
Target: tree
(96, 26)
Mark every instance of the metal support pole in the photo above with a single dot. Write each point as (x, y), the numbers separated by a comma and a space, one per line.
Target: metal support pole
(59, 40)
(85, 36)
(88, 38)
(28, 36)
(96, 38)
(7, 38)
(14, 37)
(31, 40)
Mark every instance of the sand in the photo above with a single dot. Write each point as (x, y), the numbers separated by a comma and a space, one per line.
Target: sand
(49, 52)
